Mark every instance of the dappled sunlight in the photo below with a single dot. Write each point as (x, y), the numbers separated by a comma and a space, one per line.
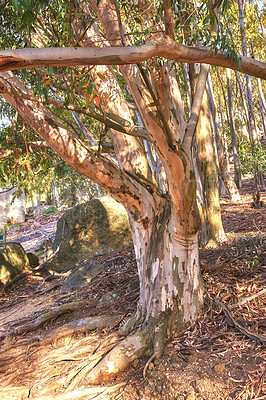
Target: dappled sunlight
(242, 217)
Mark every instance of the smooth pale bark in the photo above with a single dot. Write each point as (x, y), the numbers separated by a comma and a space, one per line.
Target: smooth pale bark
(237, 172)
(228, 182)
(129, 151)
(166, 127)
(252, 123)
(168, 267)
(212, 228)
(166, 242)
(244, 103)
(162, 47)
(254, 135)
(196, 106)
(226, 153)
(262, 107)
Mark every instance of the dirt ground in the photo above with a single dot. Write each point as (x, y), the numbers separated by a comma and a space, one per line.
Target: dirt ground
(45, 355)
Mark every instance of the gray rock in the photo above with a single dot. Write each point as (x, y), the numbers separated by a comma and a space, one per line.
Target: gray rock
(97, 227)
(81, 276)
(110, 297)
(37, 211)
(12, 208)
(12, 260)
(133, 285)
(3, 221)
(33, 259)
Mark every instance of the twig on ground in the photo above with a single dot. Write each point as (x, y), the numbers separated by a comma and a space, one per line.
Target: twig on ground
(243, 330)
(240, 303)
(148, 363)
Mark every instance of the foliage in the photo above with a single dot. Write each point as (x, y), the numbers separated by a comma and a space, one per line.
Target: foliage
(248, 157)
(51, 210)
(30, 23)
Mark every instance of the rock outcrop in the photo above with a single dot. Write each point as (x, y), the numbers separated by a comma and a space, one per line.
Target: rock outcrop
(12, 260)
(97, 227)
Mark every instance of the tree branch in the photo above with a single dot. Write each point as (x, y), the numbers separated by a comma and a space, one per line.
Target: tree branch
(169, 19)
(114, 121)
(164, 47)
(105, 149)
(21, 150)
(166, 129)
(127, 189)
(195, 109)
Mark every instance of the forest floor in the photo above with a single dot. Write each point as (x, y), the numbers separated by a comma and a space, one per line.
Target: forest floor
(45, 355)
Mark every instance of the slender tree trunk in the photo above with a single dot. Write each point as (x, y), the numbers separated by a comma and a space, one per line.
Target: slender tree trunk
(254, 134)
(262, 108)
(247, 77)
(237, 173)
(224, 138)
(212, 227)
(243, 97)
(227, 181)
(262, 101)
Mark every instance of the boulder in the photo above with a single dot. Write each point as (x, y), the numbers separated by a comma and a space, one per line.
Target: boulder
(81, 276)
(97, 227)
(37, 211)
(33, 259)
(12, 208)
(12, 260)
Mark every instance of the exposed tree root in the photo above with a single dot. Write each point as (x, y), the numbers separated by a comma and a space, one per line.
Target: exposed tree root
(128, 350)
(84, 325)
(141, 342)
(96, 393)
(32, 326)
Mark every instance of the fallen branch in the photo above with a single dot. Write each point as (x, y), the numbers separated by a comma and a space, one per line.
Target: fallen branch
(243, 330)
(240, 303)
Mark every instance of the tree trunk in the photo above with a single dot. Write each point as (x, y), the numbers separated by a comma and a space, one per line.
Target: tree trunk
(237, 173)
(254, 135)
(226, 153)
(169, 272)
(212, 228)
(262, 108)
(226, 179)
(244, 103)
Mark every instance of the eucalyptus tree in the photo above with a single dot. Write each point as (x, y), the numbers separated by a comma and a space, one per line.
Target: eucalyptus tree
(129, 52)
